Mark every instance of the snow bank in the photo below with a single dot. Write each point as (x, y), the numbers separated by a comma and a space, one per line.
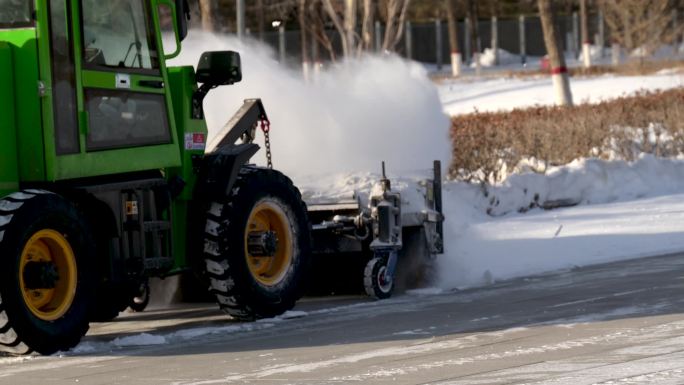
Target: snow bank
(357, 114)
(596, 52)
(588, 181)
(625, 213)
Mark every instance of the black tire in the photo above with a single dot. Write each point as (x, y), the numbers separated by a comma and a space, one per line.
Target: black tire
(141, 299)
(240, 292)
(373, 279)
(34, 220)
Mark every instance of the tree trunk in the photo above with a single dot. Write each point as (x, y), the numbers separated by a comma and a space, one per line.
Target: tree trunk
(207, 15)
(261, 18)
(559, 72)
(474, 37)
(584, 27)
(396, 21)
(306, 62)
(367, 27)
(453, 37)
(495, 30)
(350, 23)
(319, 35)
(339, 26)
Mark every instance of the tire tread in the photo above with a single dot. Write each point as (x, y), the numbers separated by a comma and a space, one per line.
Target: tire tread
(229, 296)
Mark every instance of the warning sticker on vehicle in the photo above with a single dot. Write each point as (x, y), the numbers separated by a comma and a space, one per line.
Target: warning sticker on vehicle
(195, 141)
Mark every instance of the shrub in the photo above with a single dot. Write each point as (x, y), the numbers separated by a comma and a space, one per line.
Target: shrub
(487, 146)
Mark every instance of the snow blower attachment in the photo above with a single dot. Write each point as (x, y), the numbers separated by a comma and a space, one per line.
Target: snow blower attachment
(374, 226)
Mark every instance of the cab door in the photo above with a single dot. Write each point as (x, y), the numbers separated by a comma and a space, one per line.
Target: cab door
(111, 107)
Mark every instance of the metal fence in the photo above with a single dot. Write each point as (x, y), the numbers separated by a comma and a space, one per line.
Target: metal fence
(428, 42)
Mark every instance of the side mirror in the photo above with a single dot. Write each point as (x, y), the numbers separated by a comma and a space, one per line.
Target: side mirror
(219, 68)
(182, 17)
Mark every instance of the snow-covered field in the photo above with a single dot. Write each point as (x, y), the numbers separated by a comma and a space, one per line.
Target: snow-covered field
(332, 134)
(467, 96)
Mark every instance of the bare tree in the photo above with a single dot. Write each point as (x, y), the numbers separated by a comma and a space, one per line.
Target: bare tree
(584, 27)
(343, 15)
(559, 72)
(639, 25)
(396, 20)
(339, 26)
(350, 12)
(303, 33)
(367, 32)
(474, 36)
(453, 37)
(315, 25)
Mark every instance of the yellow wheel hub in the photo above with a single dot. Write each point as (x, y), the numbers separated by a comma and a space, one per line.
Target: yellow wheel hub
(268, 216)
(48, 275)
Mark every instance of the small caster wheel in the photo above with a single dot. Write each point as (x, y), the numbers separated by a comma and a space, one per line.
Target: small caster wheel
(374, 280)
(140, 302)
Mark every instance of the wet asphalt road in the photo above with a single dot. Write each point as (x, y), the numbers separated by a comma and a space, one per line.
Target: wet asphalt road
(615, 323)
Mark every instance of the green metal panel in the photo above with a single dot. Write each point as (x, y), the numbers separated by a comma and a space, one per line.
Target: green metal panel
(116, 161)
(182, 85)
(107, 80)
(28, 122)
(9, 172)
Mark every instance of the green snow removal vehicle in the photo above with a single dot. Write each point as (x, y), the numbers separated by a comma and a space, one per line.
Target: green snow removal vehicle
(107, 178)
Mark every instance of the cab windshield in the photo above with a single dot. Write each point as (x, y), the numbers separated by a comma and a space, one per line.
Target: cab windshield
(15, 13)
(117, 34)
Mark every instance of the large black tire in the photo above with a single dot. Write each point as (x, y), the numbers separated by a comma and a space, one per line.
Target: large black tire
(44, 240)
(249, 288)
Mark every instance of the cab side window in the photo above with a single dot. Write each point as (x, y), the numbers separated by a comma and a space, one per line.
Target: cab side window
(15, 13)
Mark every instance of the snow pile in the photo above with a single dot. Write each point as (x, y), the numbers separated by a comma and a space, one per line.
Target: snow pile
(596, 52)
(143, 339)
(356, 114)
(587, 181)
(488, 59)
(189, 334)
(611, 226)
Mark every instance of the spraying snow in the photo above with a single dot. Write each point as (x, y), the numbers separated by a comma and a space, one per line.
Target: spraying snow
(330, 135)
(355, 115)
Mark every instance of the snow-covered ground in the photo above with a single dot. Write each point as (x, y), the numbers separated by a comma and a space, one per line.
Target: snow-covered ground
(626, 211)
(468, 95)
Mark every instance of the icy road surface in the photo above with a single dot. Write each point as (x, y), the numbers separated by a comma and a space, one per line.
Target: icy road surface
(619, 322)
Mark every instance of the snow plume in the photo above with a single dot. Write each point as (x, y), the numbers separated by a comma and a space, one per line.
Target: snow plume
(353, 116)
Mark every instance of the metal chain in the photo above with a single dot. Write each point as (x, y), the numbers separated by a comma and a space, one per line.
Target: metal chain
(266, 128)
